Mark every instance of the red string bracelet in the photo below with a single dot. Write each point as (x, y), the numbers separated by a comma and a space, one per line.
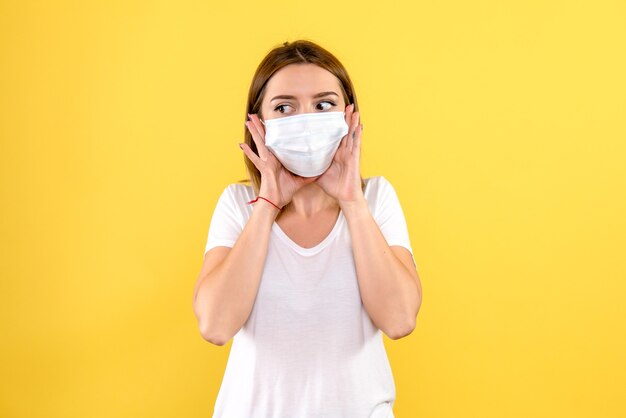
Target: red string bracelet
(252, 201)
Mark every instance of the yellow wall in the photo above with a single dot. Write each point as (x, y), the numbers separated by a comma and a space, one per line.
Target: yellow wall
(501, 124)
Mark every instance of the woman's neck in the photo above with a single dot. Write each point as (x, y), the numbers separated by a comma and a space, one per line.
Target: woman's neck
(310, 200)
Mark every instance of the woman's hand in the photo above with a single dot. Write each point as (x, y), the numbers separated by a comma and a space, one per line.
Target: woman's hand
(277, 183)
(342, 180)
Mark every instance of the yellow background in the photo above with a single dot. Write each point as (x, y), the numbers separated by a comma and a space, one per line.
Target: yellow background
(501, 125)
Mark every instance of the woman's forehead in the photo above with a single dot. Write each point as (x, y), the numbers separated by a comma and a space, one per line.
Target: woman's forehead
(301, 81)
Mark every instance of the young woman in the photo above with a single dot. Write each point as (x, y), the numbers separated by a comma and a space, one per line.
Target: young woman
(310, 264)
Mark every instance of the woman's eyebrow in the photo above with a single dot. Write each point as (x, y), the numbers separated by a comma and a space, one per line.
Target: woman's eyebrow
(285, 96)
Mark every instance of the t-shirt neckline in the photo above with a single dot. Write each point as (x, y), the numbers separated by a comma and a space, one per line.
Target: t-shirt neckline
(312, 250)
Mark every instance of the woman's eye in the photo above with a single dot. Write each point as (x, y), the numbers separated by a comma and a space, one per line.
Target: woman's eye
(326, 101)
(280, 107)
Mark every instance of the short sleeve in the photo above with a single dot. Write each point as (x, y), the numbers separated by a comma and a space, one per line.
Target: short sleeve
(226, 223)
(390, 217)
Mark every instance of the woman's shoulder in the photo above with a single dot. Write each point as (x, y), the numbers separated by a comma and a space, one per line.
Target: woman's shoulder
(379, 192)
(234, 200)
(375, 183)
(239, 191)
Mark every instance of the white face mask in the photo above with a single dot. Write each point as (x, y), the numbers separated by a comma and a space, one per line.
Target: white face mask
(306, 143)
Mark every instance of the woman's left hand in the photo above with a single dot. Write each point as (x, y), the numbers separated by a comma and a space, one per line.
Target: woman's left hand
(342, 180)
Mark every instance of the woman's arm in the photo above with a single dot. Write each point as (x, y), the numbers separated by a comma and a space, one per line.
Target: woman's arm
(388, 280)
(225, 294)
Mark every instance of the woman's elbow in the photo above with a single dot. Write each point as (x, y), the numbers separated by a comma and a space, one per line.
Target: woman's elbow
(212, 336)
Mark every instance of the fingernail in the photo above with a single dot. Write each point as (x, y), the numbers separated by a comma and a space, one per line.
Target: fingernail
(240, 146)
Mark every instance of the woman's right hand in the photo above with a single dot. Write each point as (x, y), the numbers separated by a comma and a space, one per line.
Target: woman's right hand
(277, 183)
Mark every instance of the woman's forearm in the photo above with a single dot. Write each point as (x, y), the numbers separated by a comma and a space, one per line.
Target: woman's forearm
(389, 291)
(226, 295)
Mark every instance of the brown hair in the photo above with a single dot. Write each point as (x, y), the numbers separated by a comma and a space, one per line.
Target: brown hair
(297, 52)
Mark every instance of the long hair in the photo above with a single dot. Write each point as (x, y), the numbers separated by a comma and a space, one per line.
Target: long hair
(297, 52)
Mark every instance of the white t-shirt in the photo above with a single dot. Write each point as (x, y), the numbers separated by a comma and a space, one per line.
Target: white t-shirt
(309, 348)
